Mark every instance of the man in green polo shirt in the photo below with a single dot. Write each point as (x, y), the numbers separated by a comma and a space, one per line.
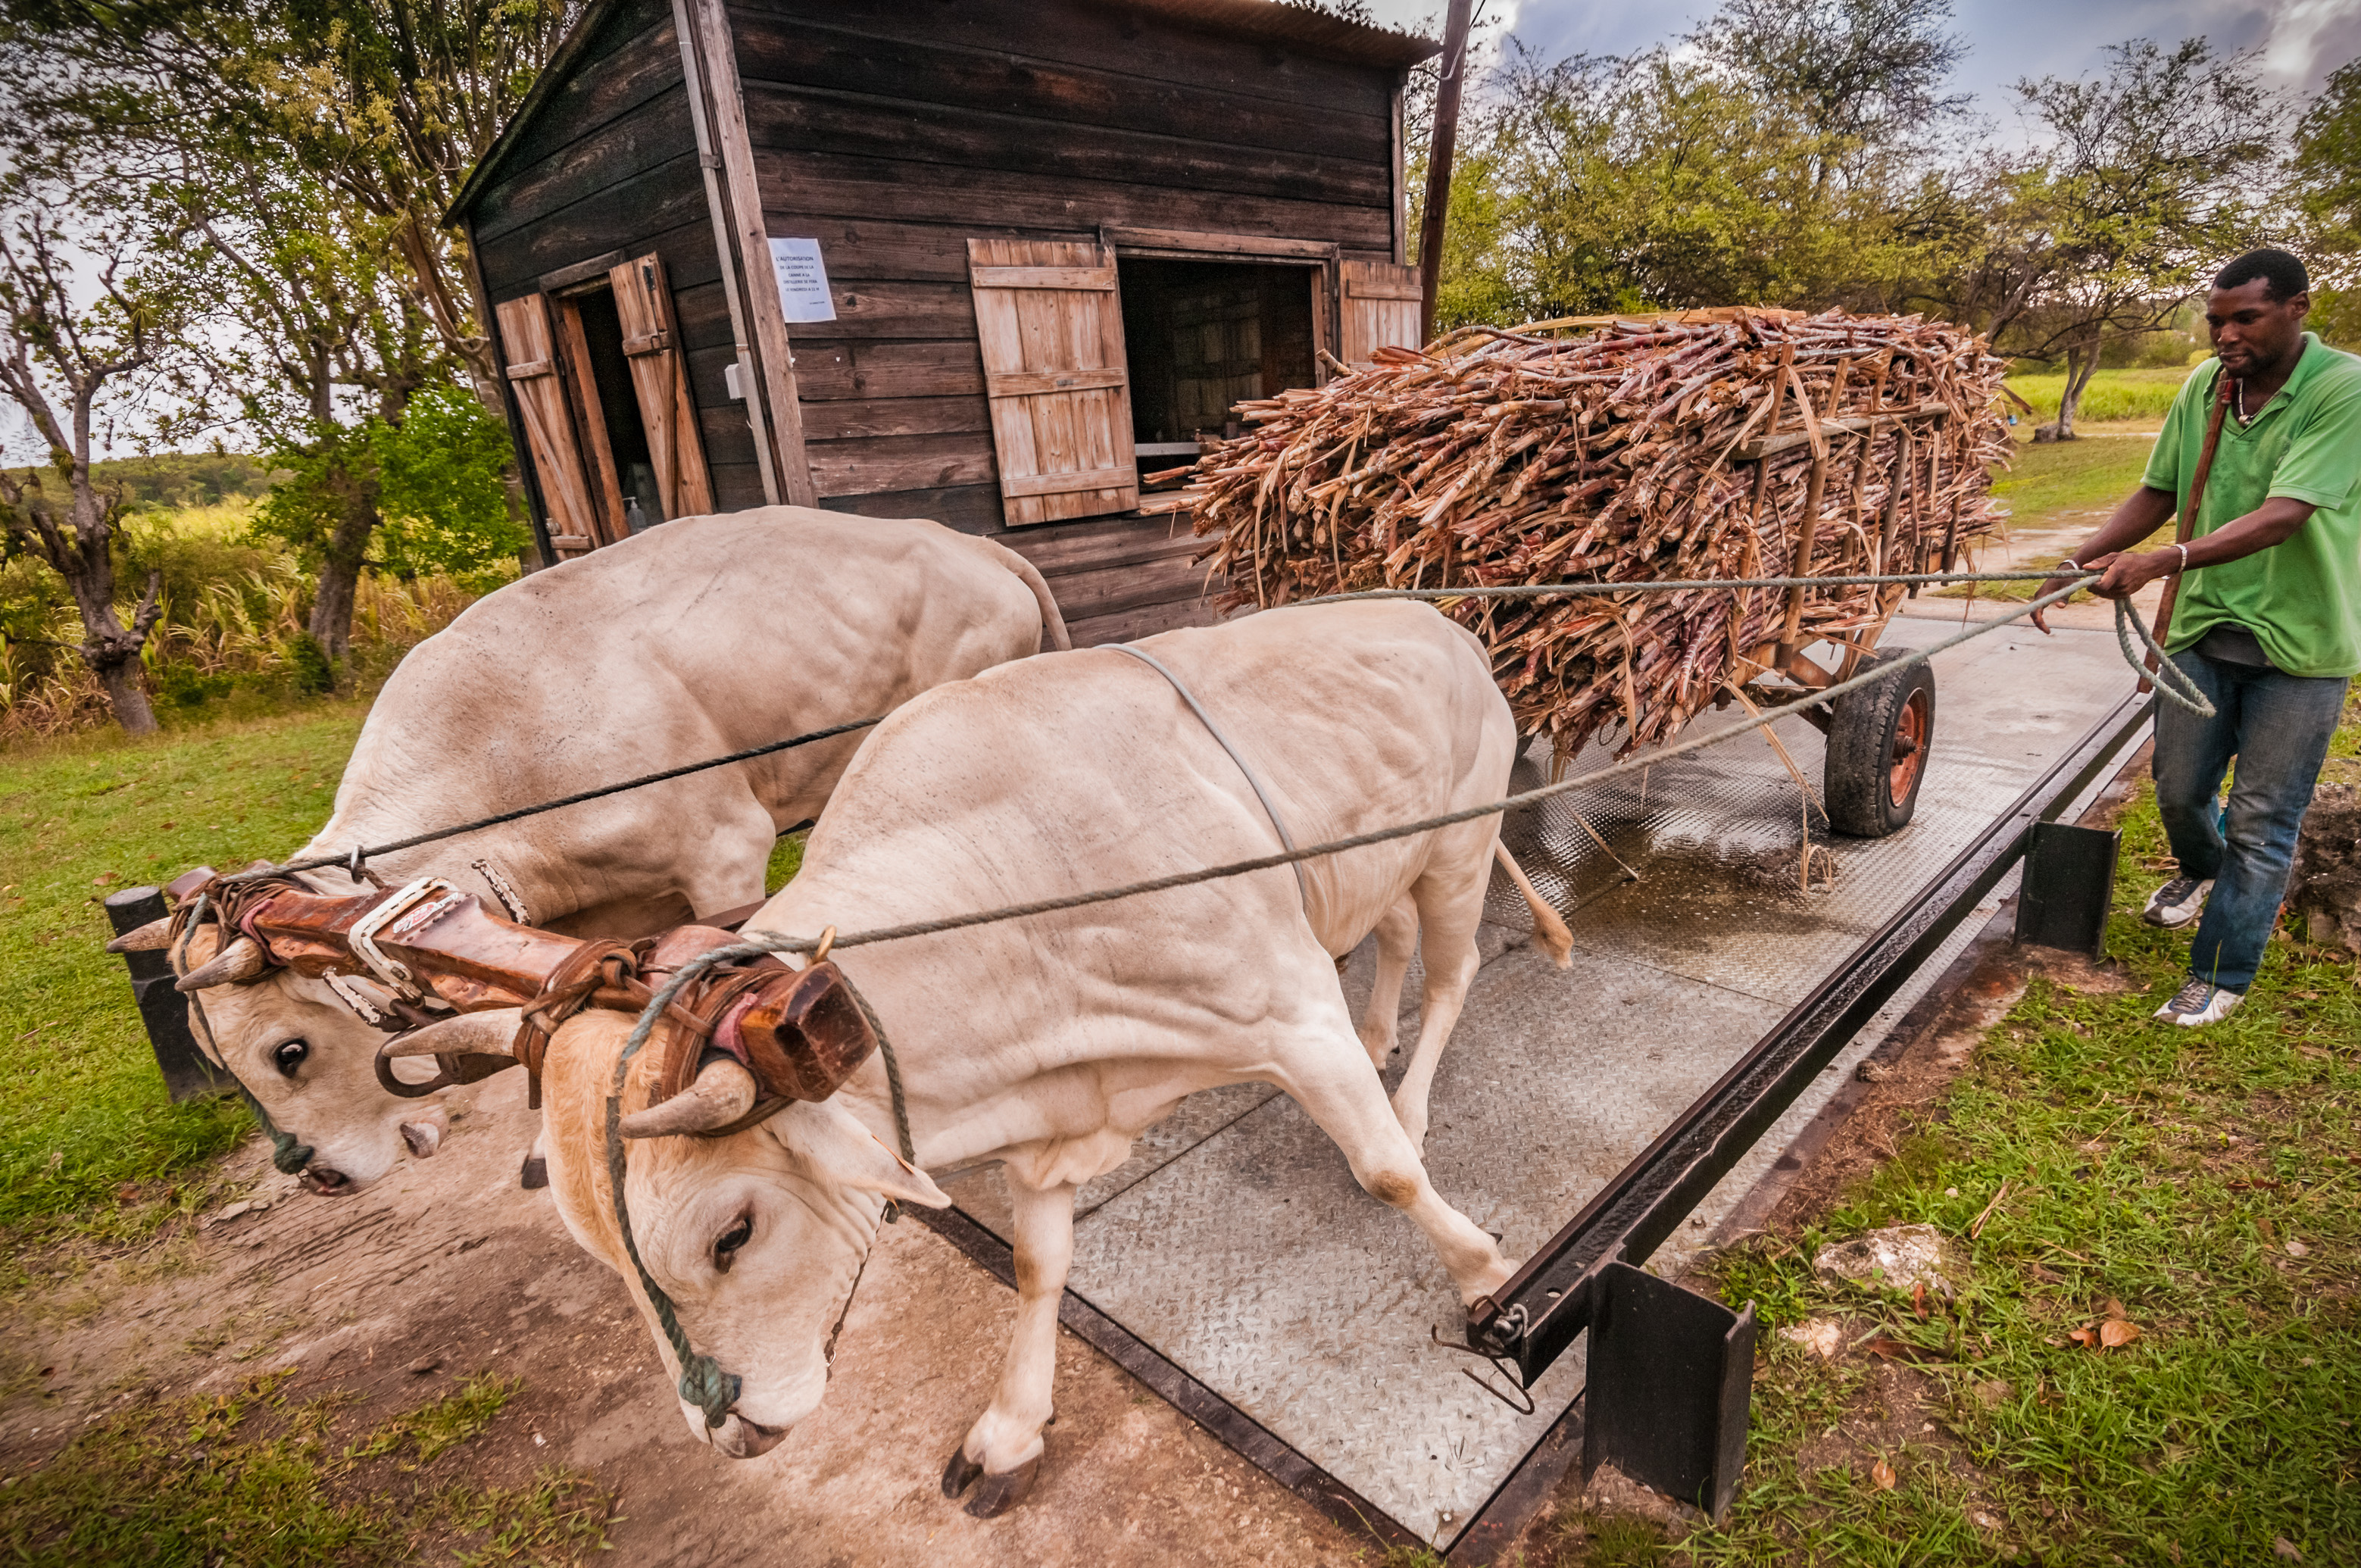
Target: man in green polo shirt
(2267, 621)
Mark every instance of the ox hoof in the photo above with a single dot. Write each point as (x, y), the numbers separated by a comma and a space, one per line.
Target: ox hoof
(961, 1471)
(536, 1175)
(1001, 1493)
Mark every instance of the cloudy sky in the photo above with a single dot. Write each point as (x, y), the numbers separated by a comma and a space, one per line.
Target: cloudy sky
(2301, 41)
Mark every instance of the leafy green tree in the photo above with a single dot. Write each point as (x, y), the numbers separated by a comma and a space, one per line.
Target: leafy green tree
(2327, 173)
(2156, 171)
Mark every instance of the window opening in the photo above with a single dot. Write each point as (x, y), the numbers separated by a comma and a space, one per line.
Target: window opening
(1203, 336)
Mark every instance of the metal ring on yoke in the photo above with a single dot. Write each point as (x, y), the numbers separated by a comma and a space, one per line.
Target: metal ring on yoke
(1254, 780)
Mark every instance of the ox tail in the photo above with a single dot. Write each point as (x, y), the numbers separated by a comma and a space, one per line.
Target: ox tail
(1030, 576)
(1548, 930)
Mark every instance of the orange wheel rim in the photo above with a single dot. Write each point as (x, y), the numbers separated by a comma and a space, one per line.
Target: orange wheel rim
(1910, 730)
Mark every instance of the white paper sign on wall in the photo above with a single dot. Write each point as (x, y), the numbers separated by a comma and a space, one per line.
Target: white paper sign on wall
(803, 281)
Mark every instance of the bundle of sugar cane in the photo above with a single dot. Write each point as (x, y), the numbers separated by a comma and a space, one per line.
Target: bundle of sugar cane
(1710, 444)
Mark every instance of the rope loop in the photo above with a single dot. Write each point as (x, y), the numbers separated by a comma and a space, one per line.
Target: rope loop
(2172, 683)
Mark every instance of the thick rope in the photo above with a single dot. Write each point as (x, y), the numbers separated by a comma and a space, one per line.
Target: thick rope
(772, 942)
(360, 856)
(703, 1382)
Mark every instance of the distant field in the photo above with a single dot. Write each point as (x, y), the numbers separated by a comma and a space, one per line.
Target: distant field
(2113, 395)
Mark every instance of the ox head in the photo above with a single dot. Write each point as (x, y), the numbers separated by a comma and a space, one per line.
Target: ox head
(758, 1236)
(304, 1056)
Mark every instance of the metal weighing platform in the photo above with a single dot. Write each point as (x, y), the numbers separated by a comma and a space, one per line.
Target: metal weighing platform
(1235, 1267)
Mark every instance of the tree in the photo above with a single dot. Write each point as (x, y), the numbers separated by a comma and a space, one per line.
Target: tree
(1865, 75)
(2326, 169)
(322, 345)
(2155, 170)
(59, 361)
(389, 102)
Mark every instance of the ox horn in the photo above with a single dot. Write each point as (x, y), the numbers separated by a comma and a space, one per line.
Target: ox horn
(486, 1033)
(151, 937)
(724, 1090)
(242, 959)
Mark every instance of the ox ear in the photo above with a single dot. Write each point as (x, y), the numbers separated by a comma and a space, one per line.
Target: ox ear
(831, 1144)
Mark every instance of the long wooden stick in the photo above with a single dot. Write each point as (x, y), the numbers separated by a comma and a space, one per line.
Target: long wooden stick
(1440, 145)
(2221, 386)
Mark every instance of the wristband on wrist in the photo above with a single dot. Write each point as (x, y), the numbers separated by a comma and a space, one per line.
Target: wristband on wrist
(2184, 554)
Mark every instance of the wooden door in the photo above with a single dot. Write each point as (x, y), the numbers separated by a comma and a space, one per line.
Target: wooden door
(1381, 308)
(1051, 330)
(530, 345)
(660, 381)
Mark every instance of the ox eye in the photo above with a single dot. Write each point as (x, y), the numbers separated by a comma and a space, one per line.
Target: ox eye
(726, 1246)
(290, 1054)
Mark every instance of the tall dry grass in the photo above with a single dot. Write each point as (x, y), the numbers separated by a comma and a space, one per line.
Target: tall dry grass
(235, 627)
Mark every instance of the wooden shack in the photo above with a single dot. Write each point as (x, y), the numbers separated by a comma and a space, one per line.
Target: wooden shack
(983, 261)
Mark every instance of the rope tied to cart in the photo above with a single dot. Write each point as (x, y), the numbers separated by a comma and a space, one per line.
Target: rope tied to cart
(706, 1385)
(2176, 687)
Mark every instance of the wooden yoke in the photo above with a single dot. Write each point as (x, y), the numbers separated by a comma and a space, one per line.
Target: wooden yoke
(446, 940)
(800, 1033)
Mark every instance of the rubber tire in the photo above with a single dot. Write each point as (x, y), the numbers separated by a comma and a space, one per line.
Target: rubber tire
(1860, 751)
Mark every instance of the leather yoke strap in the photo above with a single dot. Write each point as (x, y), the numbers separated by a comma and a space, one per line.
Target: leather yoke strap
(603, 973)
(1254, 780)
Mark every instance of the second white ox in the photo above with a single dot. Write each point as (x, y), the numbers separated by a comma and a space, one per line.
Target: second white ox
(706, 636)
(1051, 1042)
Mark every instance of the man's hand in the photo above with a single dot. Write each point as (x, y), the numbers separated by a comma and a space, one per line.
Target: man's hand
(2133, 570)
(2041, 616)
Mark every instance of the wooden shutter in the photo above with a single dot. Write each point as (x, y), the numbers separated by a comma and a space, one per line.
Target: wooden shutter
(1381, 308)
(526, 339)
(1052, 328)
(660, 380)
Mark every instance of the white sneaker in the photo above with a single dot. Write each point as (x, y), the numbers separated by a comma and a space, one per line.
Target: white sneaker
(2177, 902)
(2199, 1002)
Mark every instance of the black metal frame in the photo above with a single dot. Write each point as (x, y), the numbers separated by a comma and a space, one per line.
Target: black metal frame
(1554, 1295)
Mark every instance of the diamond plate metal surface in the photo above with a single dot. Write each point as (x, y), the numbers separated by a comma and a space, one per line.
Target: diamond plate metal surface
(1235, 1241)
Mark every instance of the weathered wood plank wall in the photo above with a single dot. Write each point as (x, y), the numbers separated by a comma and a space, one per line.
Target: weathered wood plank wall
(894, 132)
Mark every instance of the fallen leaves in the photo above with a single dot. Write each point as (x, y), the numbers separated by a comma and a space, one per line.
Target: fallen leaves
(1882, 1476)
(2112, 1331)
(1885, 1347)
(2283, 1547)
(2297, 1249)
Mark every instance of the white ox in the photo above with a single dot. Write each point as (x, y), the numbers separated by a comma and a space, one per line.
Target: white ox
(706, 636)
(1050, 1043)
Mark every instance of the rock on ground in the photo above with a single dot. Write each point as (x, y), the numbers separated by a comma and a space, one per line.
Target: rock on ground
(1896, 1257)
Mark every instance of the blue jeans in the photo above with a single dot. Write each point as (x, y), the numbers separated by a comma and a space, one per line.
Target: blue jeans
(2278, 727)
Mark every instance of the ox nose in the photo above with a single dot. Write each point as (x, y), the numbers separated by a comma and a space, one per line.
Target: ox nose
(324, 1180)
(422, 1138)
(754, 1439)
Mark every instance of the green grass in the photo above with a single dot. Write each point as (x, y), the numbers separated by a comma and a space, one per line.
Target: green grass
(2067, 485)
(2143, 395)
(86, 1130)
(257, 1479)
(2166, 1169)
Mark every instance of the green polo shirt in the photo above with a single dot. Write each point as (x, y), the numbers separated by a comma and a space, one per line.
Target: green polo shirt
(2301, 598)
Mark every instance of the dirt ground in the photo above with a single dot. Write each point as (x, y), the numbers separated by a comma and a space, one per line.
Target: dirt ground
(448, 1269)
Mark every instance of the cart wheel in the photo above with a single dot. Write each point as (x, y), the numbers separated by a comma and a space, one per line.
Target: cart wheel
(1878, 738)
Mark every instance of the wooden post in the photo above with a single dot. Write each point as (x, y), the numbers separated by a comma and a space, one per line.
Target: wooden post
(1439, 149)
(2222, 385)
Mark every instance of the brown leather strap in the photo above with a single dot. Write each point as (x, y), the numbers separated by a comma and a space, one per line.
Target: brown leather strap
(604, 974)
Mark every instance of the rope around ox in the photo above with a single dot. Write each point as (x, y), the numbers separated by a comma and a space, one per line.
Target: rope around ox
(2172, 685)
(360, 855)
(703, 1381)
